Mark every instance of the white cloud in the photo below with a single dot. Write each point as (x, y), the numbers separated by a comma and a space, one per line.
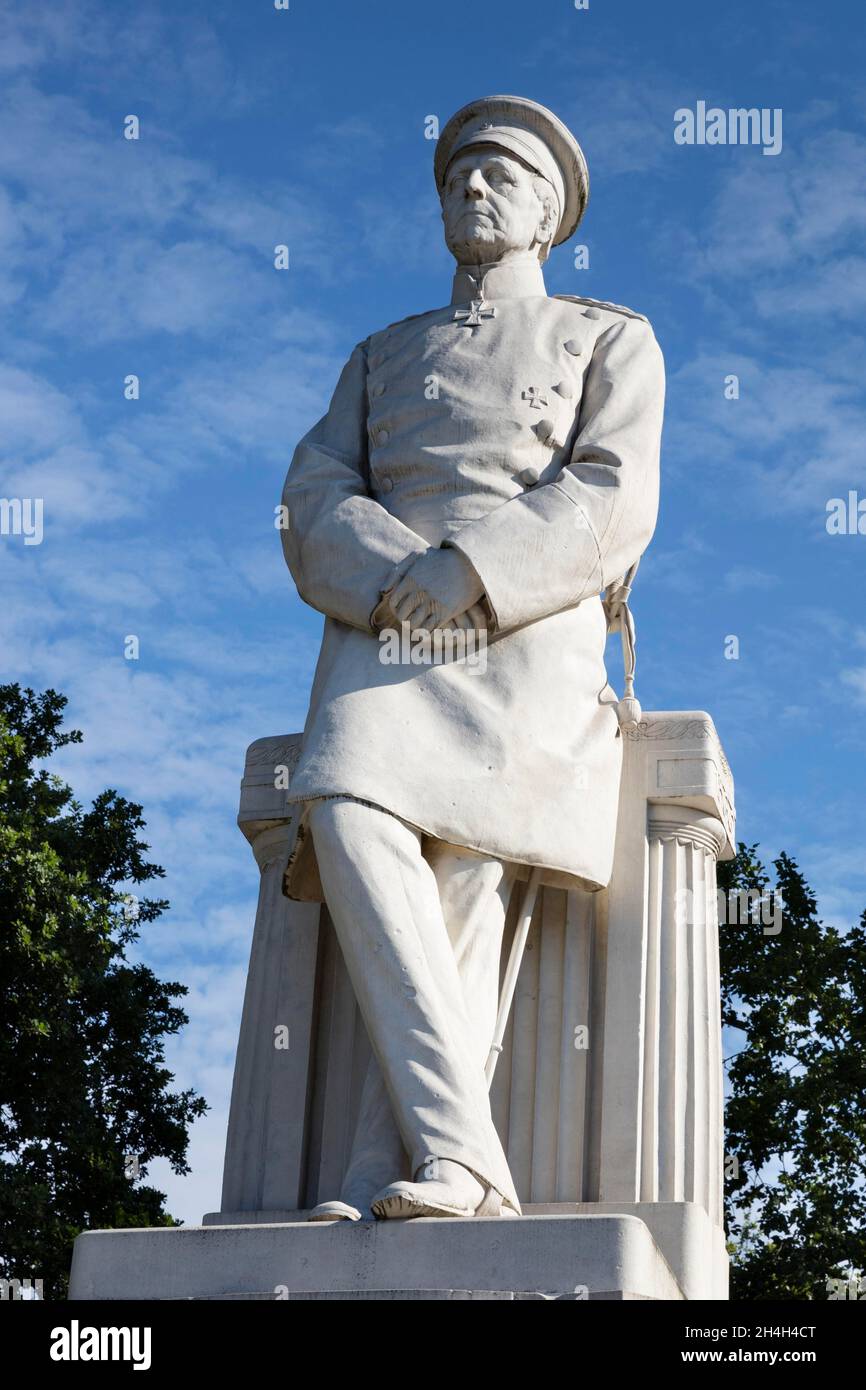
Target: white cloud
(173, 56)
(36, 415)
(202, 1056)
(774, 220)
(793, 436)
(126, 237)
(746, 578)
(854, 677)
(132, 286)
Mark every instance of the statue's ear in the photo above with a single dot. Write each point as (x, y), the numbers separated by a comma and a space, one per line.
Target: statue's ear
(548, 223)
(546, 231)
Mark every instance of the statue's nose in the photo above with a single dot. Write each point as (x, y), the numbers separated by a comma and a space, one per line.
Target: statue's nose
(475, 185)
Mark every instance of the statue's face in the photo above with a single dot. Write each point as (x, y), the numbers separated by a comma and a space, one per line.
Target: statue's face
(490, 207)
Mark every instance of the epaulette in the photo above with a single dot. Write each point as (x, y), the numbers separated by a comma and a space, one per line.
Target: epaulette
(603, 304)
(398, 323)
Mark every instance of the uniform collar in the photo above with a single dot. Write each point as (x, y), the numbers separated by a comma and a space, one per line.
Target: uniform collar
(518, 278)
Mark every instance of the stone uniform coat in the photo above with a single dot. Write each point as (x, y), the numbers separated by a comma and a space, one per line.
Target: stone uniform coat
(430, 428)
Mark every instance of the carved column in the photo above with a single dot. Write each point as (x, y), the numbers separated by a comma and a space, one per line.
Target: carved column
(681, 1152)
(659, 1136)
(265, 1163)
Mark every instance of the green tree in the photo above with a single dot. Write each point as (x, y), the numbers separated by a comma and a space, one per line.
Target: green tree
(82, 1081)
(796, 1115)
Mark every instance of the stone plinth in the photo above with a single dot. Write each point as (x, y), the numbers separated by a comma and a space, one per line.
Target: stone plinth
(534, 1257)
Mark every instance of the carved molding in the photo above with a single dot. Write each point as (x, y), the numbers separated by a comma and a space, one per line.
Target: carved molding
(694, 728)
(674, 729)
(273, 752)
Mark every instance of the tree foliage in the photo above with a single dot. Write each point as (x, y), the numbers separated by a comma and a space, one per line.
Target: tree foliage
(796, 1114)
(83, 1085)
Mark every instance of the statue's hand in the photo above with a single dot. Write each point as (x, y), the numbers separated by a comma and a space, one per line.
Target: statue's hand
(473, 620)
(440, 586)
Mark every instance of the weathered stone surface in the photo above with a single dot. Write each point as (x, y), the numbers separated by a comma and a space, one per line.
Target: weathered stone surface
(599, 1257)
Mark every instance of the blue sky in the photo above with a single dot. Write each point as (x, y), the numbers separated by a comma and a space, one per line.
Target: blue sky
(306, 127)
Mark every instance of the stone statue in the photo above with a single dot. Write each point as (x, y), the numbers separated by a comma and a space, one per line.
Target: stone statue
(488, 469)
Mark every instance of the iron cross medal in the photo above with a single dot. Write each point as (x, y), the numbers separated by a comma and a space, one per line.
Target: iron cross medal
(473, 316)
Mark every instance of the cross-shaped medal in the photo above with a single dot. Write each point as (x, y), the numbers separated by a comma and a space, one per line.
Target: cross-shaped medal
(535, 397)
(472, 317)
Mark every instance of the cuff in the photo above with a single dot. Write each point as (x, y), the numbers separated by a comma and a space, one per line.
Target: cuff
(535, 555)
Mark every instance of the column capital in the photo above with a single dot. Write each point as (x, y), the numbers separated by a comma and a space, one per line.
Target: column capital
(686, 765)
(268, 770)
(668, 820)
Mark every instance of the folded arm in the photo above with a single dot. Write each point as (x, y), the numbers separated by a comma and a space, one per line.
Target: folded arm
(342, 547)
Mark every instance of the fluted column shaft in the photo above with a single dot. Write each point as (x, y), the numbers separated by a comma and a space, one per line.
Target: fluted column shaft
(681, 1152)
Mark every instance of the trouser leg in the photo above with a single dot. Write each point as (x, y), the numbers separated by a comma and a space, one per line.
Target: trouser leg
(383, 898)
(473, 894)
(378, 1155)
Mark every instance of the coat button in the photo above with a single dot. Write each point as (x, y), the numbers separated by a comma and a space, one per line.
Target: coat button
(386, 484)
(379, 388)
(592, 313)
(545, 429)
(574, 347)
(564, 389)
(528, 476)
(382, 437)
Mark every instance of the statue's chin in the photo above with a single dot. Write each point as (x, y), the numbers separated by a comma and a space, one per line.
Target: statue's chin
(481, 244)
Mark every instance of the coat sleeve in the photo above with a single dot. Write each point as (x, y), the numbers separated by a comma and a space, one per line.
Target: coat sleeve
(565, 540)
(342, 547)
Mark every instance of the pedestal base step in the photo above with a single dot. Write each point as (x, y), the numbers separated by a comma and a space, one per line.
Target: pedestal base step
(550, 1257)
(398, 1295)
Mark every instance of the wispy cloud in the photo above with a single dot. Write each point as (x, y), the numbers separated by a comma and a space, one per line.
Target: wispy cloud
(745, 578)
(790, 436)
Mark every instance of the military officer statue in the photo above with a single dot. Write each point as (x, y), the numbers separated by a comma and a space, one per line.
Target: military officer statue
(492, 466)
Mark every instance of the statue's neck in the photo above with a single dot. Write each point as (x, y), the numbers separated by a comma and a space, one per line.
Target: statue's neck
(518, 277)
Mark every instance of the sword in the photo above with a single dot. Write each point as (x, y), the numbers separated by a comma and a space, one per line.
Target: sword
(512, 970)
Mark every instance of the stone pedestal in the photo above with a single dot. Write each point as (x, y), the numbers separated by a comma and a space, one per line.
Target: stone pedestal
(535, 1257)
(608, 1093)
